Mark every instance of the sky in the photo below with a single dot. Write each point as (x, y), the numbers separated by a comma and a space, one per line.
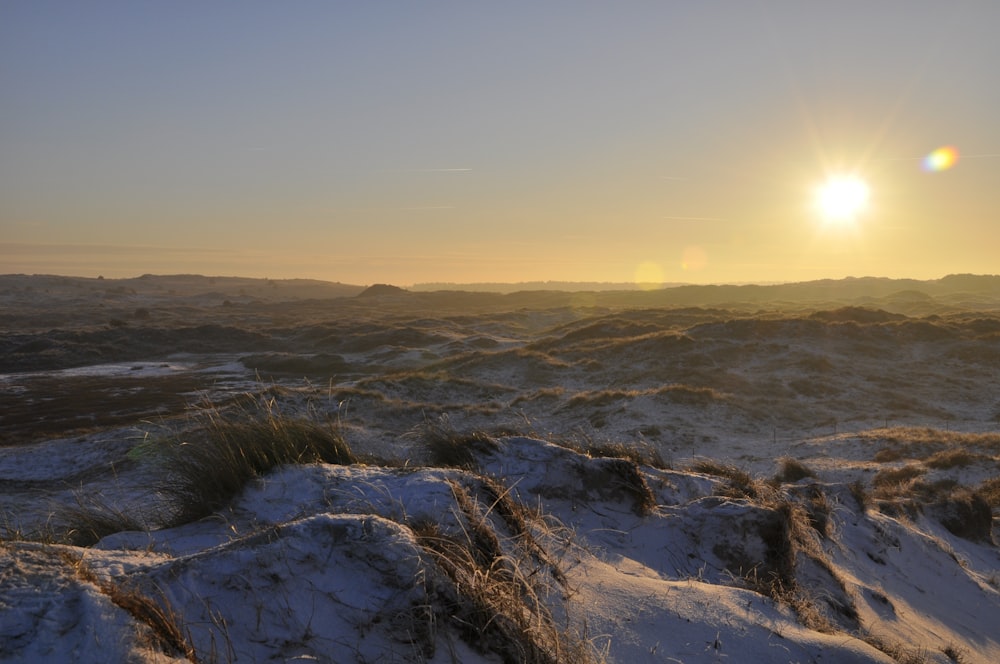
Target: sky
(408, 142)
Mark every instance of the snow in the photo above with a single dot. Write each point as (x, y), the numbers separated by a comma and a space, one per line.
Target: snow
(364, 562)
(321, 561)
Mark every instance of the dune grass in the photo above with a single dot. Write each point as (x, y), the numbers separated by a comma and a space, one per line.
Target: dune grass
(450, 448)
(640, 454)
(163, 624)
(792, 470)
(203, 473)
(497, 594)
(93, 517)
(739, 483)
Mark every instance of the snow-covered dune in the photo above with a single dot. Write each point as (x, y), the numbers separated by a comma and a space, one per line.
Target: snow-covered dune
(475, 477)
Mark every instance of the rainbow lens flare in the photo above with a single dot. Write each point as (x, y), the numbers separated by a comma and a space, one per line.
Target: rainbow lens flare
(941, 159)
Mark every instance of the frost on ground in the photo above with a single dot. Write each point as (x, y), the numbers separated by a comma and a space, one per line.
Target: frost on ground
(533, 552)
(529, 479)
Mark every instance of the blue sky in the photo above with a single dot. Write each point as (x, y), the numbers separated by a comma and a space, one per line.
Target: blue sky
(466, 141)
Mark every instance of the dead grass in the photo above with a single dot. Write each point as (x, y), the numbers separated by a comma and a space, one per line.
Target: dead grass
(953, 458)
(162, 621)
(786, 535)
(896, 650)
(626, 476)
(990, 491)
(449, 448)
(739, 483)
(892, 478)
(932, 440)
(496, 603)
(860, 494)
(640, 454)
(792, 470)
(95, 517)
(965, 513)
(203, 473)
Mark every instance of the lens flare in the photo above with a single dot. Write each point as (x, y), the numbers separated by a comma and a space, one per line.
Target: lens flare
(649, 275)
(694, 258)
(941, 159)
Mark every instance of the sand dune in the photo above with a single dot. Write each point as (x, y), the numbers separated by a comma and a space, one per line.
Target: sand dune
(805, 472)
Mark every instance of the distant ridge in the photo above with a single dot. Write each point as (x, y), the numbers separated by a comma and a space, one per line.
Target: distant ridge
(513, 287)
(381, 290)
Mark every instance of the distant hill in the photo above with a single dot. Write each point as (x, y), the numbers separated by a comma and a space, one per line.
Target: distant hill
(178, 286)
(906, 296)
(513, 287)
(381, 290)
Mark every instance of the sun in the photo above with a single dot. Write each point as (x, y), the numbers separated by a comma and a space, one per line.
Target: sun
(842, 198)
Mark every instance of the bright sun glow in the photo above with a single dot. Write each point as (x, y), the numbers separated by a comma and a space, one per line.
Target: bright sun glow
(842, 198)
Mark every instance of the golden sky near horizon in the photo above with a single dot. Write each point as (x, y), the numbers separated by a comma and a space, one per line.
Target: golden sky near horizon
(409, 142)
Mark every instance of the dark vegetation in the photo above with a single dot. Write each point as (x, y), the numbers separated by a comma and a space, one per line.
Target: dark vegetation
(204, 472)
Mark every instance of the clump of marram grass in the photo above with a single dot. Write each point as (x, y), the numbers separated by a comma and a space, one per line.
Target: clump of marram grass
(965, 513)
(495, 595)
(860, 494)
(792, 470)
(451, 449)
(892, 478)
(626, 477)
(894, 649)
(160, 622)
(990, 491)
(204, 473)
(739, 483)
(955, 457)
(784, 529)
(640, 454)
(93, 517)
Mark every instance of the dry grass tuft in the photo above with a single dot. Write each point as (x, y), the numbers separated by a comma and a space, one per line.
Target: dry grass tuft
(897, 651)
(640, 454)
(952, 458)
(163, 622)
(626, 476)
(451, 449)
(495, 606)
(786, 535)
(93, 518)
(965, 514)
(954, 653)
(792, 470)
(893, 478)
(204, 474)
(990, 491)
(860, 494)
(739, 483)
